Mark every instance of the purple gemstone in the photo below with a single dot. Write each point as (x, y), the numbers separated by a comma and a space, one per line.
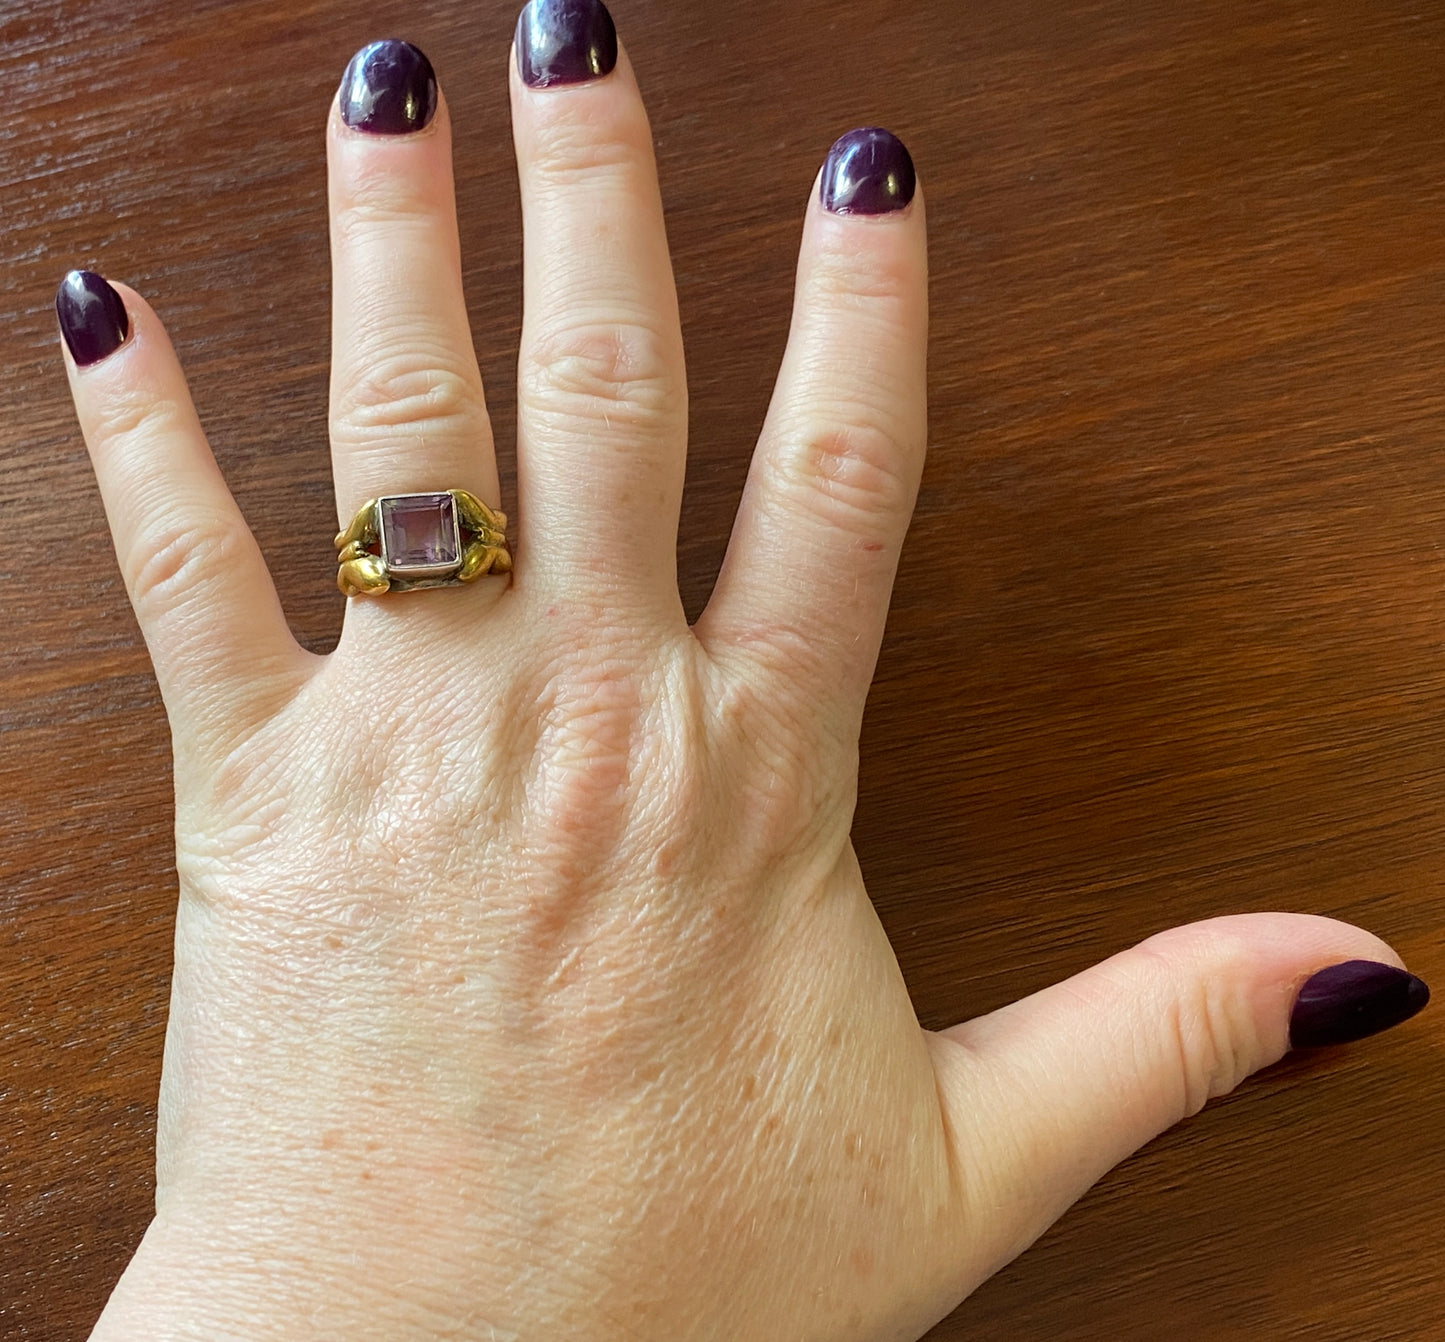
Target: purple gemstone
(419, 533)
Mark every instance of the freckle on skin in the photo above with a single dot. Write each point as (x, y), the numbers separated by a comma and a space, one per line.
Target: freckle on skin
(853, 1145)
(750, 1086)
(331, 1139)
(664, 861)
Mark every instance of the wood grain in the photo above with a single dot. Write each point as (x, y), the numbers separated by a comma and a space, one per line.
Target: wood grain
(1167, 638)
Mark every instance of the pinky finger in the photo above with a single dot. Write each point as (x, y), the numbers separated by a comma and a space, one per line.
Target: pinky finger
(217, 637)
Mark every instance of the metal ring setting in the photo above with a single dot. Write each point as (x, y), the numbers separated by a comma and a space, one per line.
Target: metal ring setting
(406, 542)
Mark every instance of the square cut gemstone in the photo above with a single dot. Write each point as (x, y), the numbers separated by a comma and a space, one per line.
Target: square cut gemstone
(419, 533)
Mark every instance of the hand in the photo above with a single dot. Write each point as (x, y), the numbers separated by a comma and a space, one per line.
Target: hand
(526, 986)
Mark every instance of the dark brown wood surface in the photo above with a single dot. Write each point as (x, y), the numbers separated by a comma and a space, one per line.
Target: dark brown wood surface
(1168, 634)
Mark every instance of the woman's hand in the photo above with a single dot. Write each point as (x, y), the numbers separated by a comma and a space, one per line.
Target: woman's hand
(526, 986)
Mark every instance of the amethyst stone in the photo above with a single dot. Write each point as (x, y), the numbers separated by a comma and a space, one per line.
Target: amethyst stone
(419, 536)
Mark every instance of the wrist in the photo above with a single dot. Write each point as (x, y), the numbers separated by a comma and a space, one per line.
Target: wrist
(194, 1282)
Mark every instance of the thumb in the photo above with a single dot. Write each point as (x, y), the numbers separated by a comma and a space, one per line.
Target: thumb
(1042, 1097)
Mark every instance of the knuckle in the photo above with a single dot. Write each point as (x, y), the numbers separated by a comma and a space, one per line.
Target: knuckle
(852, 475)
(168, 563)
(792, 797)
(579, 793)
(878, 282)
(133, 418)
(408, 391)
(1199, 1050)
(568, 147)
(599, 370)
(1211, 1037)
(370, 213)
(379, 199)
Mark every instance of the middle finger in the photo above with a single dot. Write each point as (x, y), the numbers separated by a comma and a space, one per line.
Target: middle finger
(602, 397)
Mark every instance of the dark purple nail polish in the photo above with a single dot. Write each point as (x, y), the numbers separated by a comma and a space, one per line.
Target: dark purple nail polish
(1349, 1001)
(867, 171)
(565, 42)
(92, 317)
(389, 88)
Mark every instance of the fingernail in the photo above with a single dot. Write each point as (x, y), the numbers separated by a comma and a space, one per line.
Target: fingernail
(389, 88)
(565, 42)
(1352, 1000)
(92, 317)
(867, 171)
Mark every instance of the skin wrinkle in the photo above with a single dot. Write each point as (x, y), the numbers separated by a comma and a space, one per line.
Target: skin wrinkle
(409, 395)
(610, 372)
(526, 982)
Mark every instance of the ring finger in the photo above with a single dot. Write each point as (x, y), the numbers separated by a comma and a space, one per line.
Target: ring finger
(407, 409)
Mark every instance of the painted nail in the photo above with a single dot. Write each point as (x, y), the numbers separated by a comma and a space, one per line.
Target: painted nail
(389, 88)
(92, 317)
(867, 171)
(565, 42)
(1352, 1000)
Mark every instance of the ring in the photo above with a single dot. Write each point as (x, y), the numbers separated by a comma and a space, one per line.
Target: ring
(404, 542)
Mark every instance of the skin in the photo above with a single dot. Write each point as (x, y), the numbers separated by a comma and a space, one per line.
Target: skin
(526, 986)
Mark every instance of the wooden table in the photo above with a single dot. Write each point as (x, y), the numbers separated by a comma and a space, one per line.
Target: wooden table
(1167, 638)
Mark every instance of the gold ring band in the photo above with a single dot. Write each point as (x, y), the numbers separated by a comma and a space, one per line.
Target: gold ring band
(405, 542)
